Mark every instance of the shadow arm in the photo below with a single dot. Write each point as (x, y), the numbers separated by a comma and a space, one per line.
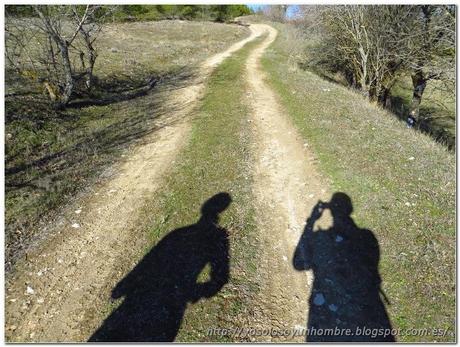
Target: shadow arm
(219, 275)
(303, 253)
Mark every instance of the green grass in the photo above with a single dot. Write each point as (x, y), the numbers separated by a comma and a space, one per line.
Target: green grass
(215, 160)
(402, 184)
(50, 155)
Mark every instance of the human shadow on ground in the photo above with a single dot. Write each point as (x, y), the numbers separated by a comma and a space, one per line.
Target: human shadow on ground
(159, 288)
(346, 291)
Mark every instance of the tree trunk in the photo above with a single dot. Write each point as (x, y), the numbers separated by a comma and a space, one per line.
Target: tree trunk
(419, 84)
(365, 89)
(418, 77)
(384, 99)
(387, 99)
(63, 46)
(90, 68)
(68, 78)
(92, 55)
(365, 85)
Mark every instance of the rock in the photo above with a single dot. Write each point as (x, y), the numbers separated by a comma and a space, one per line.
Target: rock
(78, 211)
(113, 50)
(75, 225)
(30, 290)
(285, 258)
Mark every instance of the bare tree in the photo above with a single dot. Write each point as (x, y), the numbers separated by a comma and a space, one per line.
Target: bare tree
(60, 33)
(276, 13)
(347, 42)
(91, 20)
(374, 45)
(51, 23)
(432, 57)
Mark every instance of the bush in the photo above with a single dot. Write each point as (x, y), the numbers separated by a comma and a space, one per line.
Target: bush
(133, 13)
(218, 13)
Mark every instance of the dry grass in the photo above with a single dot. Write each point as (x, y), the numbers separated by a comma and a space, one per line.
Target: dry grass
(402, 184)
(162, 45)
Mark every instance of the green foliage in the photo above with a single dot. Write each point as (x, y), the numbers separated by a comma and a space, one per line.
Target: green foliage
(127, 13)
(227, 12)
(19, 10)
(218, 13)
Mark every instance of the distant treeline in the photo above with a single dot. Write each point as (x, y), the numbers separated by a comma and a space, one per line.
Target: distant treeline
(124, 13)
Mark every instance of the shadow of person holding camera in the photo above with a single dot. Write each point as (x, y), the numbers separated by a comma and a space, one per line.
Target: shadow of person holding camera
(159, 288)
(346, 291)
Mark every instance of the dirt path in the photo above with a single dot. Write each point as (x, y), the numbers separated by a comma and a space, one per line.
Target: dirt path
(287, 186)
(59, 292)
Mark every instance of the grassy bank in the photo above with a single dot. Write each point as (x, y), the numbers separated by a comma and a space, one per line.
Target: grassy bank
(402, 184)
(50, 155)
(215, 160)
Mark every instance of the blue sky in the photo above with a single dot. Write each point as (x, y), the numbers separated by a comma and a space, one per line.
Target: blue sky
(290, 11)
(255, 7)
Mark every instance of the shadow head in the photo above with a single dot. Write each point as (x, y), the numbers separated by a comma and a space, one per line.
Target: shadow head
(340, 205)
(215, 205)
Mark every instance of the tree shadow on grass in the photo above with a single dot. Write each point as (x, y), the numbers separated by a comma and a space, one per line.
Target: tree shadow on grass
(346, 293)
(53, 153)
(433, 122)
(113, 90)
(128, 128)
(157, 291)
